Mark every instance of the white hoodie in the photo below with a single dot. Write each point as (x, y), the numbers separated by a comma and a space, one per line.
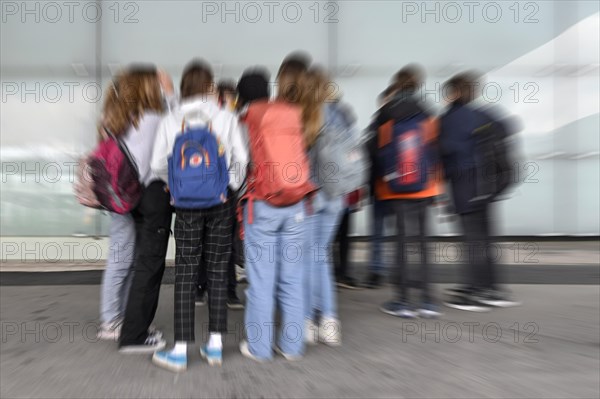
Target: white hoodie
(197, 111)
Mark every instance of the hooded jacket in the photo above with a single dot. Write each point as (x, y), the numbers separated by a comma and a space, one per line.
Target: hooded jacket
(198, 111)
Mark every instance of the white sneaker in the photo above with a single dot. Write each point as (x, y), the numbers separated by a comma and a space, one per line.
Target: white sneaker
(110, 331)
(291, 358)
(330, 332)
(246, 352)
(311, 332)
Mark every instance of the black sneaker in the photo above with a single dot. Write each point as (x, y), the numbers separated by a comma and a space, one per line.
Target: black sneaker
(154, 342)
(373, 281)
(200, 297)
(460, 290)
(233, 302)
(495, 298)
(348, 283)
(467, 302)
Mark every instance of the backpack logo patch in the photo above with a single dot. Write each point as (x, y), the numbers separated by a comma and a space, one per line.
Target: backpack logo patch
(196, 160)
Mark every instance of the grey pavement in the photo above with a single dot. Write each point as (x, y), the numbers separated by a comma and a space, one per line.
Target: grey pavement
(549, 347)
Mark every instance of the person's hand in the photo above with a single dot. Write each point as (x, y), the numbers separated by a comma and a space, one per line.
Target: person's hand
(165, 82)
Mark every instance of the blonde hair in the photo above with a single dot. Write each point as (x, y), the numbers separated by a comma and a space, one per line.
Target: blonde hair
(315, 94)
(130, 94)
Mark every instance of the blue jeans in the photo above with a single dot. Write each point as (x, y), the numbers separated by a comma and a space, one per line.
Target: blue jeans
(118, 274)
(380, 210)
(319, 292)
(273, 251)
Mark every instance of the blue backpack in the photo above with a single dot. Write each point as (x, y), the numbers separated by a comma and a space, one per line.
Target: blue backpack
(198, 174)
(405, 161)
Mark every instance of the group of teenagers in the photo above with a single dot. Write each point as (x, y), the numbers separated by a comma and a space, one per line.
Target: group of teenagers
(288, 232)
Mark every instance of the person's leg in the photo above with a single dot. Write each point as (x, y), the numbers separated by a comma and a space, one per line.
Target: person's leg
(379, 211)
(328, 223)
(422, 240)
(118, 272)
(290, 282)
(261, 236)
(489, 273)
(189, 228)
(152, 237)
(310, 254)
(400, 277)
(189, 232)
(233, 301)
(216, 254)
(470, 232)
(341, 238)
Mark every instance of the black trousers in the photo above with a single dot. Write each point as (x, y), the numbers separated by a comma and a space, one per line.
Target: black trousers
(411, 223)
(237, 256)
(202, 237)
(480, 271)
(152, 225)
(343, 244)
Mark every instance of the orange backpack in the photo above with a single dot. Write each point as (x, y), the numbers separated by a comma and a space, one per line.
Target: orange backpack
(279, 172)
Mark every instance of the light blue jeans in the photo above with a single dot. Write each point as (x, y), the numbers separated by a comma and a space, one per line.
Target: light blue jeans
(273, 249)
(319, 292)
(118, 274)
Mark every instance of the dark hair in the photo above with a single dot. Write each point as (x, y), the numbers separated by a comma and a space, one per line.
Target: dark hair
(226, 86)
(253, 85)
(409, 78)
(463, 84)
(197, 79)
(297, 61)
(385, 93)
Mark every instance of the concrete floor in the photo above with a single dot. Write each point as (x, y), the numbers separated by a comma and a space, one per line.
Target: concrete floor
(549, 347)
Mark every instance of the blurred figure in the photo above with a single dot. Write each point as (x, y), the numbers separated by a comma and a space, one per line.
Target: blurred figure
(274, 220)
(133, 112)
(321, 318)
(379, 208)
(226, 98)
(202, 232)
(474, 154)
(226, 95)
(342, 274)
(407, 181)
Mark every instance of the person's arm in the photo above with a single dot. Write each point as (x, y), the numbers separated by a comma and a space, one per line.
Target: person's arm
(239, 154)
(161, 151)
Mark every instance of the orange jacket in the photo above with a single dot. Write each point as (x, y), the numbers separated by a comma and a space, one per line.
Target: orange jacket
(435, 178)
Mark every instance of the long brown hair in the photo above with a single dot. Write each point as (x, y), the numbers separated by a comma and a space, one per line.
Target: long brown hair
(315, 94)
(130, 94)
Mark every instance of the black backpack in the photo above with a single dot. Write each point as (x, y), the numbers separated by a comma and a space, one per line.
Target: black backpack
(495, 165)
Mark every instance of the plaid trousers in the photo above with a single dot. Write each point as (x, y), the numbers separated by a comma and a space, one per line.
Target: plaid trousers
(201, 237)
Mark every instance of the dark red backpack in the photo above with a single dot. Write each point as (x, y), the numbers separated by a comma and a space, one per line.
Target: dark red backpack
(108, 178)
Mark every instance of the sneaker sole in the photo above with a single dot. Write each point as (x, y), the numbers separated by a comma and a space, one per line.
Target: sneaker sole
(169, 366)
(141, 349)
(500, 304)
(212, 361)
(347, 286)
(468, 308)
(402, 316)
(247, 354)
(428, 314)
(290, 358)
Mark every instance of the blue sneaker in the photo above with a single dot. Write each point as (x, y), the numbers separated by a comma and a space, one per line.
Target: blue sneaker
(170, 361)
(399, 309)
(214, 356)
